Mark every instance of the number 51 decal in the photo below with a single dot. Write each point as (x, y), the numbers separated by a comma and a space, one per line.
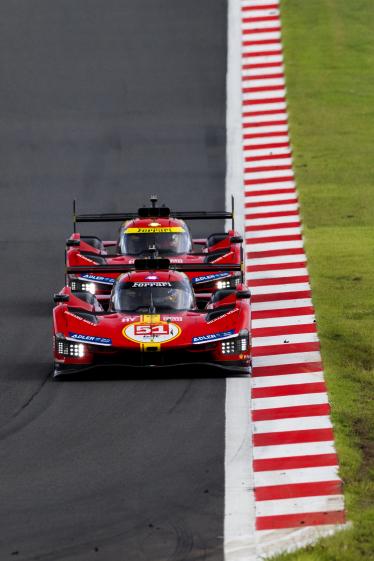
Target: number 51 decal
(161, 332)
(161, 329)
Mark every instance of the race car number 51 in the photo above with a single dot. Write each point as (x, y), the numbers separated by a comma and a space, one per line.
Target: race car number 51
(161, 332)
(161, 329)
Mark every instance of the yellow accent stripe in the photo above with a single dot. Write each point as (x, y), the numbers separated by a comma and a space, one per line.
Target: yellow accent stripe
(152, 318)
(145, 346)
(155, 230)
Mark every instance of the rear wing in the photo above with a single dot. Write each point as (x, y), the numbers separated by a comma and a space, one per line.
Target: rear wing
(154, 265)
(153, 212)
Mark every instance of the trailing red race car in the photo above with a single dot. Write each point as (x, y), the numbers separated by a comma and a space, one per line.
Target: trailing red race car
(150, 232)
(152, 321)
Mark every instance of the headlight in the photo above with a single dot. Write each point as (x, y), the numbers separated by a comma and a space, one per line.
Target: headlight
(68, 348)
(228, 347)
(230, 282)
(90, 287)
(223, 284)
(236, 345)
(78, 285)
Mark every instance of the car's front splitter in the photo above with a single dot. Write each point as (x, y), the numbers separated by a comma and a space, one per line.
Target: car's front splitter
(234, 368)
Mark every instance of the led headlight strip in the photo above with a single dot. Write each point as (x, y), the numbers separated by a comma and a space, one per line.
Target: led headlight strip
(78, 285)
(70, 349)
(236, 345)
(231, 282)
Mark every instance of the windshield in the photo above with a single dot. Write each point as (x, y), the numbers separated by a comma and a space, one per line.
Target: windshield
(152, 296)
(167, 243)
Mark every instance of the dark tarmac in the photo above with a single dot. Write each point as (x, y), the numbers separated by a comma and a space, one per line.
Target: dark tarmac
(105, 102)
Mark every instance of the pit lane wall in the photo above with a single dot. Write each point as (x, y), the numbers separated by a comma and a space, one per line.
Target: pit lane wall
(296, 489)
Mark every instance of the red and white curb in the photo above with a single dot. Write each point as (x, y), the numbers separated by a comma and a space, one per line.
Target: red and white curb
(294, 492)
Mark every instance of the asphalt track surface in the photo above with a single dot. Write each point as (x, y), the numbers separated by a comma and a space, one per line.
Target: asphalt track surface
(105, 102)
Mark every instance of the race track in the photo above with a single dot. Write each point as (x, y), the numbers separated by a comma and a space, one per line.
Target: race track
(106, 102)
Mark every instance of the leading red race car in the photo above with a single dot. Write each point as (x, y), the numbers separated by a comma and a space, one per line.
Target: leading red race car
(150, 232)
(152, 321)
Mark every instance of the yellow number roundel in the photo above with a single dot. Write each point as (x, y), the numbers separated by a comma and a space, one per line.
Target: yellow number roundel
(160, 332)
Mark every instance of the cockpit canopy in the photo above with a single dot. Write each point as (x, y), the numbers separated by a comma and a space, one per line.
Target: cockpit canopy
(152, 296)
(168, 240)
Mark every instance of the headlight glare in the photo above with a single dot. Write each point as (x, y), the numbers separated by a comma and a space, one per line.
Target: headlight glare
(70, 349)
(223, 284)
(228, 347)
(230, 282)
(236, 345)
(78, 285)
(91, 287)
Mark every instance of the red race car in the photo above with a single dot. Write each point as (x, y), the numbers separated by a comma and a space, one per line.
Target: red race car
(155, 231)
(152, 321)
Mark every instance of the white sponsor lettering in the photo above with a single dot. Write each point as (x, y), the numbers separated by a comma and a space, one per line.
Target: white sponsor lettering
(143, 284)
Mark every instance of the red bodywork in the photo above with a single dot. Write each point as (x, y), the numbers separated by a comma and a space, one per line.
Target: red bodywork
(217, 249)
(86, 336)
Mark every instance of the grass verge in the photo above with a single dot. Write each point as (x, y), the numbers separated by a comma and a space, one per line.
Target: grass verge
(329, 53)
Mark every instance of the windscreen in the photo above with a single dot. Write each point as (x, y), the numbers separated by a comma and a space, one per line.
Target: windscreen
(167, 243)
(152, 297)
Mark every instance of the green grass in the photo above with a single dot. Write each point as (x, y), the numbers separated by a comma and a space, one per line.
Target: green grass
(329, 52)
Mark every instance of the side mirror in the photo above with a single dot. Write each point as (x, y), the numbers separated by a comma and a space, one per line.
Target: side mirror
(243, 294)
(73, 243)
(60, 298)
(236, 239)
(221, 294)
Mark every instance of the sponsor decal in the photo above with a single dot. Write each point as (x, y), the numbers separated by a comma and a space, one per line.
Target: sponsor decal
(90, 339)
(213, 337)
(86, 258)
(175, 260)
(80, 318)
(151, 332)
(97, 278)
(223, 316)
(151, 277)
(172, 318)
(223, 257)
(127, 319)
(209, 278)
(143, 284)
(156, 230)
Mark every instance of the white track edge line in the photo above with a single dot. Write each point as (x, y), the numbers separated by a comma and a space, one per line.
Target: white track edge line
(239, 514)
